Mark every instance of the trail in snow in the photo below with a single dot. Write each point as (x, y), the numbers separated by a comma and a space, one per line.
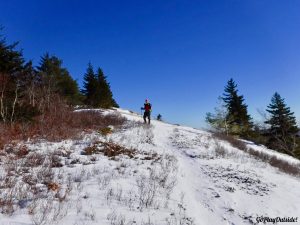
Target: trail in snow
(233, 190)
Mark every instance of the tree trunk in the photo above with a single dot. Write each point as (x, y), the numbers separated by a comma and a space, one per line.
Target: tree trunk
(14, 105)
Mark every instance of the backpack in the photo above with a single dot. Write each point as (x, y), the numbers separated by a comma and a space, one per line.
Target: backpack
(147, 107)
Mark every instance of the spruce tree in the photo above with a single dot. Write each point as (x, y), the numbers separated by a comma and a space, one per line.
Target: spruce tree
(106, 99)
(90, 87)
(57, 79)
(283, 127)
(238, 117)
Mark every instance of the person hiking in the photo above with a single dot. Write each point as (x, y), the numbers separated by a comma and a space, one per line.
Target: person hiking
(147, 112)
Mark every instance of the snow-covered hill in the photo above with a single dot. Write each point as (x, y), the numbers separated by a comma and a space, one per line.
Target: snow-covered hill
(160, 174)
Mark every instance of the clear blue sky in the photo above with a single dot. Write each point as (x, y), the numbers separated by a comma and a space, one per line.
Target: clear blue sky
(179, 54)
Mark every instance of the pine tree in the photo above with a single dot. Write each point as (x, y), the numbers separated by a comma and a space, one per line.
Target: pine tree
(104, 92)
(240, 121)
(90, 87)
(283, 127)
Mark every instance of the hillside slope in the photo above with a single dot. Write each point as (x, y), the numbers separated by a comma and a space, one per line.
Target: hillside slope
(160, 174)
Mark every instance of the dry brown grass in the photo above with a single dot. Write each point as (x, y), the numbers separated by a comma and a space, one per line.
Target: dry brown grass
(109, 149)
(53, 186)
(58, 124)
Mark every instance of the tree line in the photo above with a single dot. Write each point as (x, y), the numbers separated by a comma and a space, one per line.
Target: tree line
(27, 90)
(279, 130)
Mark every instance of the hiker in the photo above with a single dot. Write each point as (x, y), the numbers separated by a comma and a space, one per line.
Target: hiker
(147, 108)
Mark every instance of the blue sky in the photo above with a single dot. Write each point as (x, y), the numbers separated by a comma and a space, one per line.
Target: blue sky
(179, 54)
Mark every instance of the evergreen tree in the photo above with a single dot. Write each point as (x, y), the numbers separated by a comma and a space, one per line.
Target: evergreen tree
(11, 66)
(240, 121)
(104, 92)
(90, 87)
(283, 127)
(57, 79)
(29, 84)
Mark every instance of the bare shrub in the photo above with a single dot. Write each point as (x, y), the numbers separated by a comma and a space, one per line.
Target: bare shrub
(284, 166)
(115, 219)
(233, 141)
(6, 203)
(220, 151)
(112, 217)
(55, 160)
(147, 191)
(130, 199)
(179, 217)
(281, 164)
(59, 123)
(29, 179)
(167, 172)
(274, 161)
(45, 175)
(148, 222)
(115, 194)
(119, 193)
(90, 215)
(109, 195)
(40, 211)
(103, 181)
(47, 211)
(34, 159)
(258, 154)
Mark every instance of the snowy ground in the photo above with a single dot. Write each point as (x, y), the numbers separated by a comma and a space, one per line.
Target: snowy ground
(165, 175)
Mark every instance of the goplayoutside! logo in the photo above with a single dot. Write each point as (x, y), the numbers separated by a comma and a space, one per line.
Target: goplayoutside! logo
(266, 219)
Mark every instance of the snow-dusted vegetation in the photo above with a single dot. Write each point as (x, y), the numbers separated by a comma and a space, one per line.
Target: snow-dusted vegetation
(133, 173)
